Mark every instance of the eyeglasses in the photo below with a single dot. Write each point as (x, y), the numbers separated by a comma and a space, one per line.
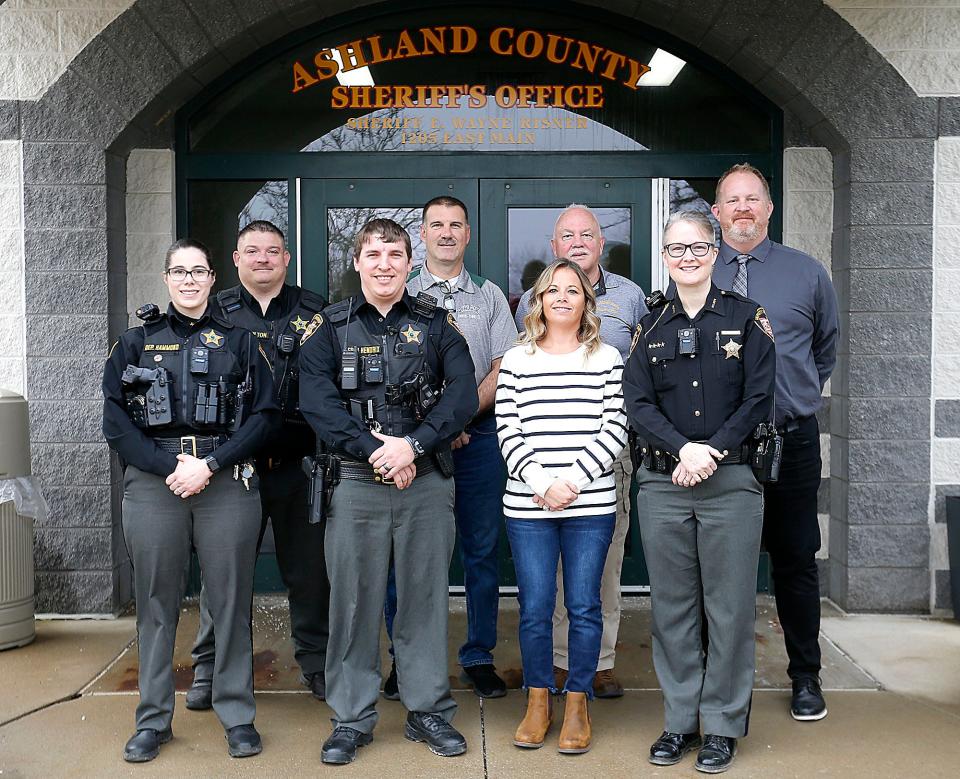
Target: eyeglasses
(698, 249)
(198, 274)
(449, 302)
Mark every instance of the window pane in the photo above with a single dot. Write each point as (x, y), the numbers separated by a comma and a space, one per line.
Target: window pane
(694, 195)
(581, 91)
(343, 224)
(529, 231)
(218, 210)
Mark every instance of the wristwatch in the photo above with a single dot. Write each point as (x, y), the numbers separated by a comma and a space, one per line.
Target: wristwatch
(415, 445)
(212, 463)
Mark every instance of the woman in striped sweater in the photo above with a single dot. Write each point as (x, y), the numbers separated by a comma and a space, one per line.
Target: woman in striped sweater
(561, 424)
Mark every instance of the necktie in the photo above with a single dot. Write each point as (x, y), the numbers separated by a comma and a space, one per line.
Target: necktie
(740, 280)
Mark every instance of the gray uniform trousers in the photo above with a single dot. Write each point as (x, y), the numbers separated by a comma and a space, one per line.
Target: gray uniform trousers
(364, 520)
(159, 528)
(703, 542)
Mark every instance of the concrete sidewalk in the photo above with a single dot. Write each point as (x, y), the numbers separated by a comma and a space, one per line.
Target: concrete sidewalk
(893, 689)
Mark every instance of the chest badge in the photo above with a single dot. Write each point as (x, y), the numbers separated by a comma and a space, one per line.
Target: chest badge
(211, 338)
(732, 348)
(299, 324)
(412, 336)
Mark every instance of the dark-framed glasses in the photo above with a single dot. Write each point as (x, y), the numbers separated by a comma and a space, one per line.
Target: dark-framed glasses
(449, 302)
(698, 249)
(198, 274)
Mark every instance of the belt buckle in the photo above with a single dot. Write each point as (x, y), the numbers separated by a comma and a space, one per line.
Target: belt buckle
(192, 441)
(379, 479)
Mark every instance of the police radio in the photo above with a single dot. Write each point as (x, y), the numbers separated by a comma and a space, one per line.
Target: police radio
(767, 453)
(349, 365)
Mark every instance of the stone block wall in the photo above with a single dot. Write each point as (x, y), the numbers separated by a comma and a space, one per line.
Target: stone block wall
(39, 38)
(945, 400)
(808, 226)
(12, 362)
(920, 38)
(150, 226)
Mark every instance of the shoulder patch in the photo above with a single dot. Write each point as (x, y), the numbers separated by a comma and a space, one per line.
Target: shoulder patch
(763, 321)
(452, 320)
(636, 339)
(311, 327)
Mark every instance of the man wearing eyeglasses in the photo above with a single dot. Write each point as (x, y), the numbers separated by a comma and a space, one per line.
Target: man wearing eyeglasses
(798, 296)
(483, 315)
(277, 313)
(577, 236)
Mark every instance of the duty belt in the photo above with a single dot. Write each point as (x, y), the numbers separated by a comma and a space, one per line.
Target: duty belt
(196, 445)
(358, 471)
(660, 461)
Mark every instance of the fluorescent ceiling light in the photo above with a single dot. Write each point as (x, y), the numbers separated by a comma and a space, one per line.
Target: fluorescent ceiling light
(360, 77)
(664, 68)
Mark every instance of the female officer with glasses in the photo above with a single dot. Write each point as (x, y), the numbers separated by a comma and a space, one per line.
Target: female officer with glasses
(699, 380)
(188, 399)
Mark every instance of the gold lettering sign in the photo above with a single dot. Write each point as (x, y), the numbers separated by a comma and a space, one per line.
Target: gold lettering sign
(457, 40)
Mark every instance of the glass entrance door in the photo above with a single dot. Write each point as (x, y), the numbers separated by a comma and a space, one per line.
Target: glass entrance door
(511, 222)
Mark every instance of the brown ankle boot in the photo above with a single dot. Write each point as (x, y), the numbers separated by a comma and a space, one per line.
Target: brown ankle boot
(533, 729)
(575, 735)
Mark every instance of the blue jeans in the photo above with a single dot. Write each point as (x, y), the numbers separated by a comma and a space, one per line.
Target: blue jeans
(480, 480)
(538, 544)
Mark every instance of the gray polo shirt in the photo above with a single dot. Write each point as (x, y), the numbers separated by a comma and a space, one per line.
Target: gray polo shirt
(796, 291)
(483, 314)
(620, 307)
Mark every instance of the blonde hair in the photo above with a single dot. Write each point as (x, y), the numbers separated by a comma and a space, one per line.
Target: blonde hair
(534, 323)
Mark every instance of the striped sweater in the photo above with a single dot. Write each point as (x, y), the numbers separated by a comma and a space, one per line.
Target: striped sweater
(560, 416)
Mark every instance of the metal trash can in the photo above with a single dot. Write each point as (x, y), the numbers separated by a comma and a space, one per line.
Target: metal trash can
(20, 504)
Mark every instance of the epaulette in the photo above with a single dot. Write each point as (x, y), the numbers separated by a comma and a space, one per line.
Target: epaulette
(729, 293)
(424, 305)
(312, 300)
(229, 299)
(338, 312)
(149, 313)
(220, 318)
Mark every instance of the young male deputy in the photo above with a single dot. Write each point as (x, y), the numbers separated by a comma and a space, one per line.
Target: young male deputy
(386, 382)
(483, 316)
(577, 236)
(798, 296)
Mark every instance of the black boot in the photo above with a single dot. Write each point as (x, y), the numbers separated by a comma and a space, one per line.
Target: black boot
(144, 745)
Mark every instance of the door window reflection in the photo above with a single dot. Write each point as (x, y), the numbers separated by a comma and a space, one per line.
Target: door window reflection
(529, 231)
(343, 224)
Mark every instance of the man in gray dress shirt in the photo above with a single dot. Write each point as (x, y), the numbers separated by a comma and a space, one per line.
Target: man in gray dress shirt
(796, 291)
(620, 305)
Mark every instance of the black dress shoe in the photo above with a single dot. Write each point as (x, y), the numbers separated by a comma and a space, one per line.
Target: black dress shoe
(391, 688)
(341, 747)
(243, 741)
(144, 745)
(670, 748)
(807, 703)
(439, 735)
(200, 695)
(716, 755)
(317, 682)
(486, 683)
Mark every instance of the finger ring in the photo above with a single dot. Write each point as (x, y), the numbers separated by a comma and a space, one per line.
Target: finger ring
(385, 467)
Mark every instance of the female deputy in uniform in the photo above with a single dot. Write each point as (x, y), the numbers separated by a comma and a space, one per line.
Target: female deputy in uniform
(699, 380)
(561, 424)
(188, 399)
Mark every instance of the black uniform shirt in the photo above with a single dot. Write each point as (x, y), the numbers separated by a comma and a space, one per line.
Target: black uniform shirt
(322, 400)
(135, 445)
(291, 438)
(717, 396)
